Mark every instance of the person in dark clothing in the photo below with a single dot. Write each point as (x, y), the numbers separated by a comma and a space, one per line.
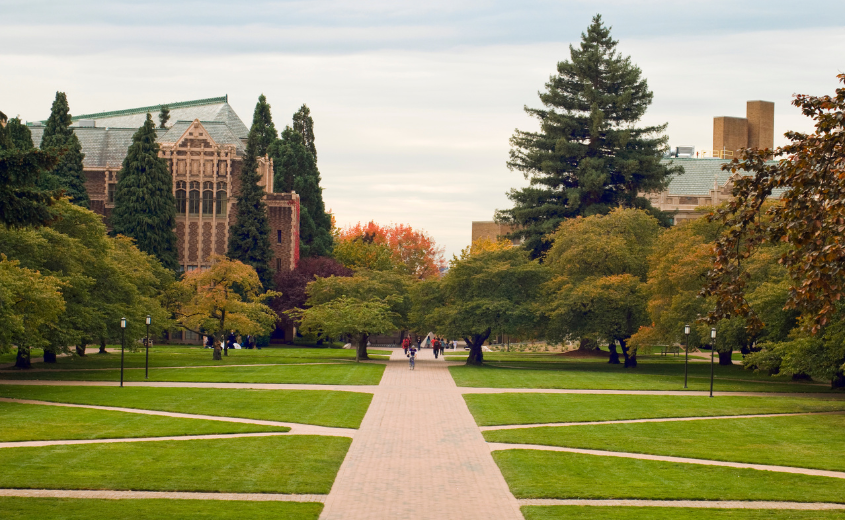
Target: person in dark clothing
(230, 343)
(436, 346)
(209, 342)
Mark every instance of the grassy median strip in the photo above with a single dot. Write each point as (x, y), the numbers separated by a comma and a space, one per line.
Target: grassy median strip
(319, 407)
(804, 441)
(301, 464)
(670, 513)
(30, 422)
(545, 474)
(325, 374)
(532, 408)
(649, 375)
(16, 508)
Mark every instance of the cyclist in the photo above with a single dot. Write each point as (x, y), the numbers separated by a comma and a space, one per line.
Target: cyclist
(412, 355)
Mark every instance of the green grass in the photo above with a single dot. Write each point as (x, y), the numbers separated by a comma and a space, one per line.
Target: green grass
(16, 508)
(670, 513)
(295, 464)
(532, 408)
(805, 441)
(320, 407)
(344, 374)
(545, 474)
(653, 374)
(32, 422)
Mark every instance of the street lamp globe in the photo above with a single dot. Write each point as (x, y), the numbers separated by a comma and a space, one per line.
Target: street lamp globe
(122, 323)
(686, 330)
(149, 319)
(713, 333)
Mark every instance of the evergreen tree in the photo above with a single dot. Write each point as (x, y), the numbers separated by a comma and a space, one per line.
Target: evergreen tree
(144, 205)
(164, 116)
(303, 124)
(588, 156)
(58, 136)
(249, 237)
(22, 201)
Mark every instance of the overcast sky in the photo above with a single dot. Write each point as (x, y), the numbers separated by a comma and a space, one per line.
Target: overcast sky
(414, 102)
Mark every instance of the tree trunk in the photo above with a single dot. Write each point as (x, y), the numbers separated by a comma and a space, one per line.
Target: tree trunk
(49, 356)
(80, 350)
(725, 357)
(216, 353)
(838, 381)
(361, 350)
(614, 356)
(476, 356)
(22, 360)
(102, 346)
(630, 359)
(587, 344)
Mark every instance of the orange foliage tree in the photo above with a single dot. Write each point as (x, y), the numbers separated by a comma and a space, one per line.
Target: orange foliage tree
(412, 251)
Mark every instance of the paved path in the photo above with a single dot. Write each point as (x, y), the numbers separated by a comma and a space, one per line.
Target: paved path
(712, 504)
(296, 428)
(179, 495)
(494, 446)
(687, 393)
(181, 384)
(33, 444)
(660, 419)
(419, 454)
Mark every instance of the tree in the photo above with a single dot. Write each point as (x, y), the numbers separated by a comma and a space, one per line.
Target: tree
(386, 289)
(28, 302)
(481, 293)
(600, 266)
(249, 237)
(164, 116)
(810, 220)
(144, 205)
(228, 296)
(362, 253)
(588, 156)
(292, 284)
(22, 201)
(304, 126)
(60, 138)
(413, 252)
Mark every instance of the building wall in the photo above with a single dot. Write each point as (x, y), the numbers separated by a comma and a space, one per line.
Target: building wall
(490, 229)
(729, 134)
(761, 124)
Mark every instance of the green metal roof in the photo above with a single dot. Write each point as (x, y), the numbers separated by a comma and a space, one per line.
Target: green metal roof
(154, 108)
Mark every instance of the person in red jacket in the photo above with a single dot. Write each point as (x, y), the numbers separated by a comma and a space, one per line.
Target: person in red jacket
(405, 344)
(436, 346)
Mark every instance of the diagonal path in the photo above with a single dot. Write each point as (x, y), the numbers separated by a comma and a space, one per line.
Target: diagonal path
(177, 495)
(33, 444)
(709, 504)
(419, 454)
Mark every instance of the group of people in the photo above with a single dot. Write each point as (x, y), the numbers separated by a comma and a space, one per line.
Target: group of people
(411, 347)
(233, 341)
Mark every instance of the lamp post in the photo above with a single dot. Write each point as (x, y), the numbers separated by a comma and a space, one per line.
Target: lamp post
(122, 346)
(147, 343)
(712, 350)
(686, 353)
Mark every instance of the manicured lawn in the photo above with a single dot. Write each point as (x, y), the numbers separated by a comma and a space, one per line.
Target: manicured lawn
(295, 464)
(320, 407)
(545, 474)
(32, 422)
(15, 508)
(531, 408)
(803, 441)
(340, 374)
(670, 513)
(649, 375)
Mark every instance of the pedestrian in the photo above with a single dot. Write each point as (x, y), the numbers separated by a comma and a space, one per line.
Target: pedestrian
(436, 346)
(230, 343)
(412, 355)
(406, 344)
(209, 342)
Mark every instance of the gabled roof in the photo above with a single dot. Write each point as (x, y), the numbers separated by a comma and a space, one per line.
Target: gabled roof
(218, 131)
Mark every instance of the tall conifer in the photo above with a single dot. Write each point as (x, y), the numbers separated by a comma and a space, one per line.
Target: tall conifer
(588, 156)
(144, 205)
(164, 116)
(249, 237)
(303, 124)
(58, 135)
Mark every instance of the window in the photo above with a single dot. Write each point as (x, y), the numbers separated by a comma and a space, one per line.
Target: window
(112, 189)
(207, 198)
(180, 197)
(221, 203)
(192, 268)
(194, 198)
(278, 264)
(278, 236)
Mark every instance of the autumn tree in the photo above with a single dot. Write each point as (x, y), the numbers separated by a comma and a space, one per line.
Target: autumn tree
(227, 296)
(810, 220)
(60, 138)
(482, 293)
(293, 284)
(413, 252)
(589, 156)
(600, 266)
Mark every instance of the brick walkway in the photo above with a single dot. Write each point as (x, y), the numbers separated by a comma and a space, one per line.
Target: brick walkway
(419, 454)
(710, 504)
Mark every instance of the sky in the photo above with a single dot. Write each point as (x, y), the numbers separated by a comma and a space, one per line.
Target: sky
(414, 102)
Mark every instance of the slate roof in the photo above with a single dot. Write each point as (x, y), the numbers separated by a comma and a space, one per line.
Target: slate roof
(218, 131)
(698, 176)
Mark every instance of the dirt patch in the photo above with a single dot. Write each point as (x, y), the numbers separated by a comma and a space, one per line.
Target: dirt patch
(585, 354)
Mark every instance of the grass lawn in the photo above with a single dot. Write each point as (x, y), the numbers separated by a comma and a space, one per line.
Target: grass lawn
(172, 356)
(806, 441)
(32, 422)
(670, 513)
(654, 374)
(341, 374)
(320, 407)
(295, 464)
(16, 508)
(494, 409)
(547, 474)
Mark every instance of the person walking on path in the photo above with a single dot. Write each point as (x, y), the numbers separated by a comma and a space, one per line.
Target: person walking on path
(406, 344)
(436, 346)
(412, 356)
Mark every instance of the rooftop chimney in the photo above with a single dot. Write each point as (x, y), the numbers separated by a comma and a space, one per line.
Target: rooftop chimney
(756, 130)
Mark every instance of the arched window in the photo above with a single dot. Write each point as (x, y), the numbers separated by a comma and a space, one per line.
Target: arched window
(181, 201)
(221, 203)
(194, 198)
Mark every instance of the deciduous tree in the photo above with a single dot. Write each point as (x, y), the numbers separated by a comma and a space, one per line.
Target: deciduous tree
(413, 252)
(293, 284)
